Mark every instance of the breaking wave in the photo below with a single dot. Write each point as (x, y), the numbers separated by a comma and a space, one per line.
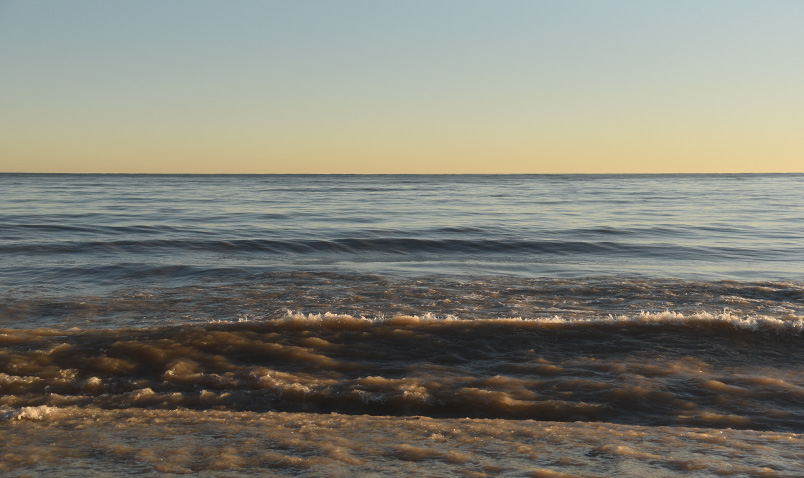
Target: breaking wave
(786, 324)
(666, 368)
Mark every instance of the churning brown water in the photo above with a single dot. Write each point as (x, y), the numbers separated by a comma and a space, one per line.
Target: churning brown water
(573, 394)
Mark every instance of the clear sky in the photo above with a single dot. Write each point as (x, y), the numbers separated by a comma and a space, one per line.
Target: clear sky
(412, 86)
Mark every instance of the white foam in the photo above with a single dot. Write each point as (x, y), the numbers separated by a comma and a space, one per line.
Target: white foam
(789, 323)
(41, 412)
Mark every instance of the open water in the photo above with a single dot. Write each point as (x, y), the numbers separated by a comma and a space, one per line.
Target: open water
(549, 326)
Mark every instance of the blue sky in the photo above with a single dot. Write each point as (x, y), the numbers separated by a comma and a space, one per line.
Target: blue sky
(414, 86)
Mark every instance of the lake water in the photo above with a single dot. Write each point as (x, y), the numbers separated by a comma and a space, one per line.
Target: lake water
(578, 325)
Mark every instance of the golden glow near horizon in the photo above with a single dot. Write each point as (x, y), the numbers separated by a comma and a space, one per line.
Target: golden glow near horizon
(416, 87)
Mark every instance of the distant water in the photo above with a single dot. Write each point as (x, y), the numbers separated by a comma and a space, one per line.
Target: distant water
(617, 325)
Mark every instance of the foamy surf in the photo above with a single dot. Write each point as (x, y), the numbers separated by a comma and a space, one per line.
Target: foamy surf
(662, 368)
(786, 324)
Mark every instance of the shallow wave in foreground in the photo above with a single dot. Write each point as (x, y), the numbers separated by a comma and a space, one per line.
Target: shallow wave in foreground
(654, 369)
(70, 441)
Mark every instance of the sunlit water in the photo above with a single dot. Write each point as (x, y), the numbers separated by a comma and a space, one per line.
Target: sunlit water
(364, 325)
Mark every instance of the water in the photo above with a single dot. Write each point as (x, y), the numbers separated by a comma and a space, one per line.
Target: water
(620, 325)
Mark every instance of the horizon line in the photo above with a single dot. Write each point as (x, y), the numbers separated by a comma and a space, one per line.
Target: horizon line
(402, 174)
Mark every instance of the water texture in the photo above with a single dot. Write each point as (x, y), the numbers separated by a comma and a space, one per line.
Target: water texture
(471, 325)
(61, 233)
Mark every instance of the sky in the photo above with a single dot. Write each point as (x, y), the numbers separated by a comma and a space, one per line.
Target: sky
(413, 86)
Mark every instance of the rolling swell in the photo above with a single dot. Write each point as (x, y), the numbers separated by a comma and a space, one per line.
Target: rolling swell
(389, 245)
(566, 226)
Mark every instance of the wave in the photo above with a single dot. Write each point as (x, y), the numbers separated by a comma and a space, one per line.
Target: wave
(787, 324)
(222, 292)
(716, 370)
(397, 246)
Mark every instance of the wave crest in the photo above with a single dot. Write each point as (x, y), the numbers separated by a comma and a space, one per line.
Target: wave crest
(790, 323)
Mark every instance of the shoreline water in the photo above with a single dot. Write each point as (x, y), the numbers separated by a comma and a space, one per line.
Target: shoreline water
(372, 325)
(80, 441)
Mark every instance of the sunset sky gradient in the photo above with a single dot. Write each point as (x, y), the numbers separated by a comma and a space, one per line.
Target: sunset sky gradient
(435, 86)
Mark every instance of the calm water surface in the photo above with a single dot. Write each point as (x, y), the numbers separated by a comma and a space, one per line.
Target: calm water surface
(63, 233)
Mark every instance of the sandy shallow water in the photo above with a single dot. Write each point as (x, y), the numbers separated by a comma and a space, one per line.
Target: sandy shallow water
(40, 441)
